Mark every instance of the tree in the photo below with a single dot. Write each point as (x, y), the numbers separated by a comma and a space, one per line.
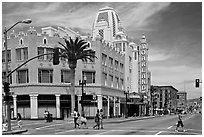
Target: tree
(74, 50)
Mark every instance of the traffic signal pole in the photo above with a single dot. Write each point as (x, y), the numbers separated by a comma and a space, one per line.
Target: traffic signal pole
(8, 110)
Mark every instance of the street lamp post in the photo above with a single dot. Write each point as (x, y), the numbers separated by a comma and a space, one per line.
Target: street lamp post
(27, 21)
(82, 83)
(126, 105)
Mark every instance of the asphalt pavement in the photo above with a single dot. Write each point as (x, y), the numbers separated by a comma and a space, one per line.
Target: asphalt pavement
(162, 125)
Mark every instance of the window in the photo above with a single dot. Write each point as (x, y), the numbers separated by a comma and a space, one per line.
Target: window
(116, 64)
(104, 57)
(118, 45)
(44, 41)
(49, 50)
(25, 53)
(130, 59)
(123, 46)
(111, 80)
(18, 54)
(90, 76)
(110, 62)
(121, 67)
(22, 76)
(43, 50)
(8, 56)
(122, 84)
(117, 82)
(40, 51)
(21, 41)
(65, 76)
(45, 76)
(105, 78)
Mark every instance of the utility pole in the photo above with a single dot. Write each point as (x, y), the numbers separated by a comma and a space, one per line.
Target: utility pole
(27, 21)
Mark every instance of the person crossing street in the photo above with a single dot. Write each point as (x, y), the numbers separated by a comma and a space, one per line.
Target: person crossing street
(19, 120)
(101, 118)
(97, 120)
(76, 116)
(180, 123)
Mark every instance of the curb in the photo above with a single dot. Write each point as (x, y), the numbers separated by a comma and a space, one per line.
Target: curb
(14, 132)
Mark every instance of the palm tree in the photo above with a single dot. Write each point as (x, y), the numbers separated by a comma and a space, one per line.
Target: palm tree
(74, 51)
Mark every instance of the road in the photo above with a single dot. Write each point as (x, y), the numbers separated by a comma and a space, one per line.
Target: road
(164, 125)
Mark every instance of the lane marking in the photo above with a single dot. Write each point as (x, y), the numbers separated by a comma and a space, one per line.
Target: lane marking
(169, 127)
(49, 126)
(158, 132)
(66, 131)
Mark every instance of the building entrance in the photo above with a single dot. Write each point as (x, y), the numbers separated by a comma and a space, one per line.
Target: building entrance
(65, 112)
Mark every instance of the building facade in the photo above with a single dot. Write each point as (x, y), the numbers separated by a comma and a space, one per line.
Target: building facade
(164, 99)
(39, 85)
(181, 100)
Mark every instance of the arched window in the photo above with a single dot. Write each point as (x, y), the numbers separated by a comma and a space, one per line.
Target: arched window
(44, 41)
(21, 41)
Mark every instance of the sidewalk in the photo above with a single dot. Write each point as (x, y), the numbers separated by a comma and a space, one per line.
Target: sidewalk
(16, 131)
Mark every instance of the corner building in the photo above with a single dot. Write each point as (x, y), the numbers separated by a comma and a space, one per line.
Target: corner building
(38, 85)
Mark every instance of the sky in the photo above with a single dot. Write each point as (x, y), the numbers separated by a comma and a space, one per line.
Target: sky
(173, 31)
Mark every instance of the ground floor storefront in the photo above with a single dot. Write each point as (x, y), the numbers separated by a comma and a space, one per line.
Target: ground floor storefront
(31, 102)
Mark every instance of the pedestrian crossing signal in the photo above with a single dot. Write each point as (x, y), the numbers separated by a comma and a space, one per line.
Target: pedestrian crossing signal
(197, 81)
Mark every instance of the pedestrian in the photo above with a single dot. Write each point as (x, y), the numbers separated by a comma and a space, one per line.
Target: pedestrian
(101, 118)
(97, 120)
(46, 115)
(5, 126)
(180, 122)
(76, 116)
(19, 120)
(83, 120)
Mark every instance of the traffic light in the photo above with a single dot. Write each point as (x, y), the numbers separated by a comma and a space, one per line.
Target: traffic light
(56, 56)
(6, 88)
(197, 81)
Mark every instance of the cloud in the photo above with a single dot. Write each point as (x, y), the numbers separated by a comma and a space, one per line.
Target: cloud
(139, 15)
(159, 57)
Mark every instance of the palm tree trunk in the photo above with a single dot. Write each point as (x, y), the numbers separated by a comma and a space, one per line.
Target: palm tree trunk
(72, 88)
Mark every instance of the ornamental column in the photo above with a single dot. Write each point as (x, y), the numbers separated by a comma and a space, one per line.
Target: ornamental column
(108, 107)
(114, 106)
(15, 105)
(100, 102)
(119, 106)
(33, 106)
(57, 105)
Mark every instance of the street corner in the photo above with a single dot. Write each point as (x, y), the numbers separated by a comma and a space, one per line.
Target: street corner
(19, 131)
